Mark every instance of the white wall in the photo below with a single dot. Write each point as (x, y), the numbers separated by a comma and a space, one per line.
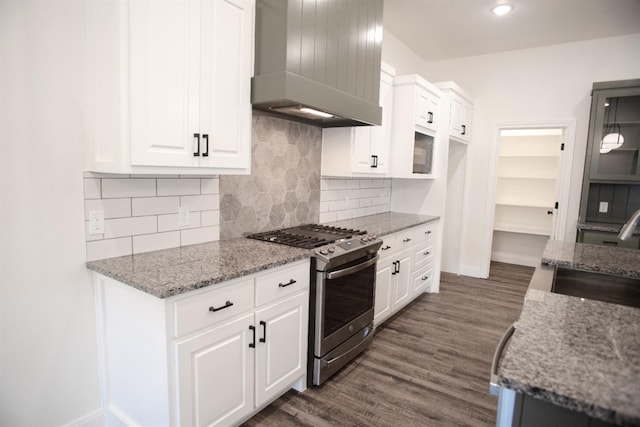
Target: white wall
(549, 83)
(48, 355)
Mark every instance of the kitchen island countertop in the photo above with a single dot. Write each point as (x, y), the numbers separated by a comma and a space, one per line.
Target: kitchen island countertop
(580, 354)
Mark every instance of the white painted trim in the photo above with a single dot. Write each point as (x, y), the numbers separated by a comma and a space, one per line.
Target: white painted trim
(566, 166)
(97, 281)
(516, 259)
(477, 272)
(92, 419)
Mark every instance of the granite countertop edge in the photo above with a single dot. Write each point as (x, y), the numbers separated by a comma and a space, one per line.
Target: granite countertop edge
(171, 272)
(178, 290)
(603, 226)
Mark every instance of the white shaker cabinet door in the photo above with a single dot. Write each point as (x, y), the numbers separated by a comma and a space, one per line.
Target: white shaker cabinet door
(227, 65)
(164, 63)
(281, 346)
(215, 375)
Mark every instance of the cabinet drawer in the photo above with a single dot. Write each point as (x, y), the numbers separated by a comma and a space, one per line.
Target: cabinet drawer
(282, 282)
(406, 239)
(205, 309)
(424, 254)
(389, 246)
(423, 278)
(426, 233)
(608, 239)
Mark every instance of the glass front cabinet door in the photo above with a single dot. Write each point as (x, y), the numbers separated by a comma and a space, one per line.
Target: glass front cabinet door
(614, 134)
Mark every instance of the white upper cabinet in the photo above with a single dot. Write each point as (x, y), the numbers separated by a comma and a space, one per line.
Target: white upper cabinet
(170, 86)
(459, 105)
(416, 117)
(361, 150)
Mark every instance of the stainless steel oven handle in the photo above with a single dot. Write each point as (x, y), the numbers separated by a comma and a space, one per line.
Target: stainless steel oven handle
(494, 387)
(351, 270)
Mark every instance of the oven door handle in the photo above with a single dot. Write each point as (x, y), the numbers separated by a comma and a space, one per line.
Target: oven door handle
(353, 269)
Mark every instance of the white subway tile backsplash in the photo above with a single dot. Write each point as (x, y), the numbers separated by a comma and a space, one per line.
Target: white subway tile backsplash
(92, 188)
(210, 218)
(337, 205)
(109, 248)
(155, 205)
(178, 187)
(199, 235)
(201, 203)
(210, 186)
(112, 208)
(156, 242)
(170, 222)
(353, 198)
(131, 226)
(327, 217)
(128, 187)
(141, 214)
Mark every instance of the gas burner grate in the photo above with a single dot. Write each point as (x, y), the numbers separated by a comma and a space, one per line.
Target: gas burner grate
(307, 236)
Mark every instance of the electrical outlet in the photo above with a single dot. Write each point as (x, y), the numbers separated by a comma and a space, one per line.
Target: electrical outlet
(604, 207)
(96, 222)
(183, 216)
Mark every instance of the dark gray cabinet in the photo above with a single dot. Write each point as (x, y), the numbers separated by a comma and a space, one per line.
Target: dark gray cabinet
(611, 183)
(614, 134)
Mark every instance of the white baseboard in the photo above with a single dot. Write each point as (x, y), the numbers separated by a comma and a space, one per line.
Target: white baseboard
(477, 272)
(516, 259)
(92, 419)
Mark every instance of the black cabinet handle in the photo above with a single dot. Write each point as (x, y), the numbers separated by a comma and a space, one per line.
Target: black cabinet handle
(385, 248)
(398, 267)
(284, 285)
(426, 253)
(609, 242)
(425, 278)
(394, 272)
(205, 137)
(464, 129)
(253, 331)
(264, 331)
(427, 232)
(407, 240)
(549, 212)
(226, 305)
(374, 161)
(430, 114)
(197, 137)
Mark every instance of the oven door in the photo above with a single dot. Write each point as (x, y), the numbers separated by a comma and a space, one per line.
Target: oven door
(344, 302)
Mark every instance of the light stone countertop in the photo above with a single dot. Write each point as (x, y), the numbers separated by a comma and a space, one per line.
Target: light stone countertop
(175, 271)
(385, 223)
(577, 353)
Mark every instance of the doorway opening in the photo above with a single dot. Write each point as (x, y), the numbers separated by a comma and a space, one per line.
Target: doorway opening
(528, 199)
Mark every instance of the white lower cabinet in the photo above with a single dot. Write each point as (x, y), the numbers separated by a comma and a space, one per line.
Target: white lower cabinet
(406, 268)
(205, 358)
(215, 372)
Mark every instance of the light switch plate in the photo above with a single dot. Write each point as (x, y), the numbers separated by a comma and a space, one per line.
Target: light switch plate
(604, 207)
(96, 222)
(183, 216)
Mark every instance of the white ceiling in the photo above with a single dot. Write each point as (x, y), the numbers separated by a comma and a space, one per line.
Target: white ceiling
(445, 29)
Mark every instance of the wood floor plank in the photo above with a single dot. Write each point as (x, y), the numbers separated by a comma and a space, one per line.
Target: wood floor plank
(427, 366)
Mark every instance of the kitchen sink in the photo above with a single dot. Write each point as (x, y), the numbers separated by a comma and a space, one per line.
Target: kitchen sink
(597, 286)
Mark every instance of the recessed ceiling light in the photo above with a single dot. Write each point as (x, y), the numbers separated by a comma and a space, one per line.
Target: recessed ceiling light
(502, 9)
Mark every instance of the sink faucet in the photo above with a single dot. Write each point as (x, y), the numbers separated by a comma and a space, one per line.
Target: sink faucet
(627, 230)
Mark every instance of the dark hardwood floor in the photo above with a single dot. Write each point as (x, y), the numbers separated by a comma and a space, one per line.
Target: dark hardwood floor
(427, 366)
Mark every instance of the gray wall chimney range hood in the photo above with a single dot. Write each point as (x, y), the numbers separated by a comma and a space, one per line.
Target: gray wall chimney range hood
(319, 56)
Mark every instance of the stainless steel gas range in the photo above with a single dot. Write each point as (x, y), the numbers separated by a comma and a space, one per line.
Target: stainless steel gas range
(343, 280)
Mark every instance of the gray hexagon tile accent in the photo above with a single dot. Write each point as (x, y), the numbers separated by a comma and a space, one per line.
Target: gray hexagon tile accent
(283, 189)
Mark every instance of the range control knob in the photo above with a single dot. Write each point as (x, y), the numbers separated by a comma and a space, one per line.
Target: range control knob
(324, 251)
(331, 249)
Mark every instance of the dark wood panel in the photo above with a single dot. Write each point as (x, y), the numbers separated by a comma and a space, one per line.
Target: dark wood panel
(427, 366)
